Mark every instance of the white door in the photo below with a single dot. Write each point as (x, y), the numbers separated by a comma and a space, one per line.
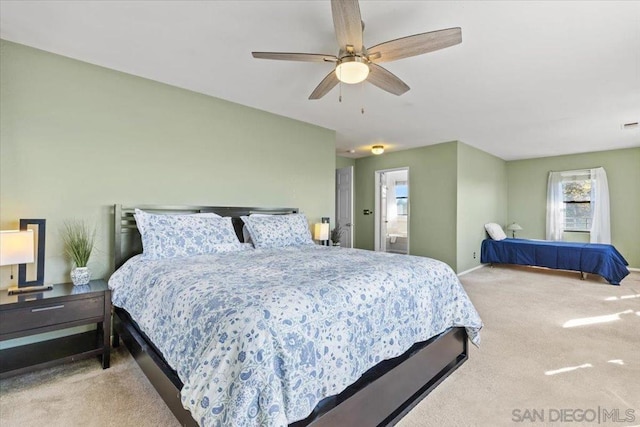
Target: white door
(344, 205)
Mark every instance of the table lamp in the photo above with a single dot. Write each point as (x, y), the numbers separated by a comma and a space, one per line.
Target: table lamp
(321, 232)
(514, 227)
(16, 247)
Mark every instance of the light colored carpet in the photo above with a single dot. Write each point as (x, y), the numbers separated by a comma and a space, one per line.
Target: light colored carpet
(83, 394)
(523, 343)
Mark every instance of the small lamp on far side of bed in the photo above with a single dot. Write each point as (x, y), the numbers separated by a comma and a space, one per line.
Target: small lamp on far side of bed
(514, 227)
(321, 232)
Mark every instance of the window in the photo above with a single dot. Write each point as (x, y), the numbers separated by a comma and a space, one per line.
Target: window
(402, 194)
(576, 191)
(579, 201)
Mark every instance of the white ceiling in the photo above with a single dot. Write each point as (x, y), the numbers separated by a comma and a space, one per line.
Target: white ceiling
(530, 79)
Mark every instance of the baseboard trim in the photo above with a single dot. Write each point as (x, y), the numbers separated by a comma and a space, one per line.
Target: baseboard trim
(471, 269)
(633, 269)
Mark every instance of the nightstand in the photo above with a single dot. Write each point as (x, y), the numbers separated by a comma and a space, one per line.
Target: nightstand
(63, 307)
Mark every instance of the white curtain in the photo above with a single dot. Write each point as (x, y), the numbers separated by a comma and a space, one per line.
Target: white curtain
(600, 223)
(555, 207)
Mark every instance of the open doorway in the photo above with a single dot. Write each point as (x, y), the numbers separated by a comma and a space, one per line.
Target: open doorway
(392, 211)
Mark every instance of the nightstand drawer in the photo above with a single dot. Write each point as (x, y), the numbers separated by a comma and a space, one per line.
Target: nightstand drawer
(22, 319)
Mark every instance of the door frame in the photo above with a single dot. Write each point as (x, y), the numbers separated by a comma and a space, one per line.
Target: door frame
(376, 212)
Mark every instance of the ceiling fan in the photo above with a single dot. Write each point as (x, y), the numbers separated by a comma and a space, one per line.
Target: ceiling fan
(355, 63)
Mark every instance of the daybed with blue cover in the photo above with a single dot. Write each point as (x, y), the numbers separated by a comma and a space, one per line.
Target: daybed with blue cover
(595, 258)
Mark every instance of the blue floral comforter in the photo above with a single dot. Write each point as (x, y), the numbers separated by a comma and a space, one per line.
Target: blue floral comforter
(259, 337)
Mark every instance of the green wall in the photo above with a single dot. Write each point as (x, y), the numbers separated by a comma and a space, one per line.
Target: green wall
(76, 138)
(527, 194)
(432, 199)
(455, 189)
(343, 162)
(482, 198)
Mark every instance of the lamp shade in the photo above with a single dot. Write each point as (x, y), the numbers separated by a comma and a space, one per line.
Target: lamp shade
(321, 231)
(16, 247)
(514, 227)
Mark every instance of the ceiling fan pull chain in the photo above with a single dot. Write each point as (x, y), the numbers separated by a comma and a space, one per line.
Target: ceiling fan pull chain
(362, 90)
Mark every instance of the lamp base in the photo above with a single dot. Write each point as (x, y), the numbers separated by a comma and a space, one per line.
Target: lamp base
(13, 290)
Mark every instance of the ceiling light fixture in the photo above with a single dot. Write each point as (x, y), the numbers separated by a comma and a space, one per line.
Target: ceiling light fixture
(377, 149)
(352, 69)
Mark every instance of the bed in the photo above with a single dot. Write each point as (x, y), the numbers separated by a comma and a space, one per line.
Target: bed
(595, 258)
(292, 335)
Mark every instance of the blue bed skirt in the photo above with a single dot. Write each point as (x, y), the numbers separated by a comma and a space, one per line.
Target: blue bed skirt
(595, 258)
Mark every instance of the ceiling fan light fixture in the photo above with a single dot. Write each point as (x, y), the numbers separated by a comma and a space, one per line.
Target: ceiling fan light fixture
(352, 70)
(355, 63)
(377, 149)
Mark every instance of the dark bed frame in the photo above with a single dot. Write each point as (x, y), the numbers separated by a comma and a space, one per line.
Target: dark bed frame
(382, 396)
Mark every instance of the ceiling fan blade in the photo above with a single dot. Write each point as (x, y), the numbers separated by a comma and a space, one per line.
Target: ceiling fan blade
(416, 44)
(348, 24)
(305, 57)
(386, 80)
(328, 83)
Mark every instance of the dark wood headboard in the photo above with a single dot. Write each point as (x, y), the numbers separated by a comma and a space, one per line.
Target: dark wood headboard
(127, 242)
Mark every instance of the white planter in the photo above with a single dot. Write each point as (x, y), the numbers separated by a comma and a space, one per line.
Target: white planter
(80, 276)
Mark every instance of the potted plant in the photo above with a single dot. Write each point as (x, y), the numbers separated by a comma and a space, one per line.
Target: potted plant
(336, 234)
(79, 238)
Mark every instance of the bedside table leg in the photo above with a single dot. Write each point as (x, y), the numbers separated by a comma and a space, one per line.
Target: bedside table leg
(104, 341)
(106, 332)
(106, 358)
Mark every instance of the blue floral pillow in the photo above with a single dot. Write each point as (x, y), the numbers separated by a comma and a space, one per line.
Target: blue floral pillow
(278, 231)
(178, 236)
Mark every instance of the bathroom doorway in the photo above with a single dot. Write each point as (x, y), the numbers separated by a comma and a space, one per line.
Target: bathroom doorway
(392, 210)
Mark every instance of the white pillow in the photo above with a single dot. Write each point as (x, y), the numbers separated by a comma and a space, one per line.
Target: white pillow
(278, 231)
(495, 231)
(246, 236)
(177, 236)
(144, 217)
